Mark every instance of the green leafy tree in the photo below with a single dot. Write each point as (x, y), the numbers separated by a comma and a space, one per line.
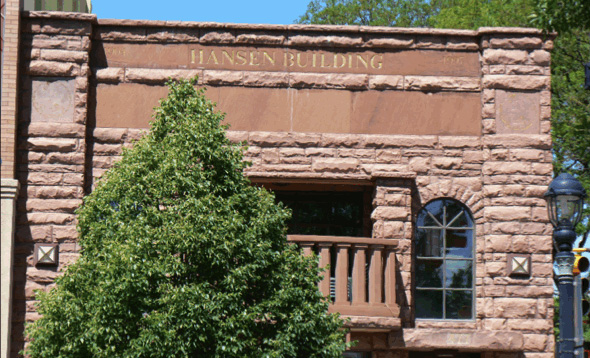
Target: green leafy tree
(472, 14)
(182, 257)
(367, 12)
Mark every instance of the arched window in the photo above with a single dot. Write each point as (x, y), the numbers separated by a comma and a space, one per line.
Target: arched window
(444, 261)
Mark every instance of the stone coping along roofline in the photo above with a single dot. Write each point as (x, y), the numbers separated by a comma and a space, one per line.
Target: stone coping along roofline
(59, 15)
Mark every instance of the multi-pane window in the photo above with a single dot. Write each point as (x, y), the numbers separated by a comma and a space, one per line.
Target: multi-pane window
(444, 261)
(329, 210)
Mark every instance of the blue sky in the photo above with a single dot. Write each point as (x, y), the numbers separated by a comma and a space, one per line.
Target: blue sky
(244, 11)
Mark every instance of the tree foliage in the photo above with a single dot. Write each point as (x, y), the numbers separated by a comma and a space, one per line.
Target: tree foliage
(472, 14)
(367, 12)
(182, 257)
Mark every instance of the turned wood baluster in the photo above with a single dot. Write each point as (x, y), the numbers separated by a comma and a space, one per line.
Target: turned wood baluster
(376, 275)
(390, 276)
(359, 277)
(324, 248)
(307, 248)
(341, 273)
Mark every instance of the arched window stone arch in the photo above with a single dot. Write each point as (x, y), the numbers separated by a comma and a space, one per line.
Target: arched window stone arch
(444, 261)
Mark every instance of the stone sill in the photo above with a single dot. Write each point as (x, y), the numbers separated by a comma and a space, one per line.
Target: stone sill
(371, 324)
(503, 341)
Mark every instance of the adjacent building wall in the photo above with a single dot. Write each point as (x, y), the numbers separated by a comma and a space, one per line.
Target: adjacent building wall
(467, 117)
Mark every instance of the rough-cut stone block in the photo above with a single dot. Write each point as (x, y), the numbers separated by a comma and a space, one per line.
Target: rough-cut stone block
(337, 165)
(446, 163)
(49, 218)
(507, 213)
(339, 140)
(430, 42)
(222, 77)
(217, 37)
(341, 41)
(530, 290)
(495, 268)
(63, 55)
(541, 57)
(437, 83)
(495, 168)
(110, 135)
(385, 42)
(52, 144)
(459, 142)
(517, 141)
(515, 308)
(462, 44)
(381, 141)
(516, 82)
(266, 79)
(419, 164)
(524, 70)
(535, 342)
(262, 39)
(44, 41)
(145, 75)
(516, 42)
(319, 80)
(385, 82)
(389, 213)
(53, 68)
(52, 192)
(53, 130)
(530, 325)
(498, 243)
(110, 74)
(533, 155)
(186, 35)
(504, 57)
(75, 158)
(265, 139)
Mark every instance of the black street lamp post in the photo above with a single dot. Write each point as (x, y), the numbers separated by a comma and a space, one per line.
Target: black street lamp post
(565, 197)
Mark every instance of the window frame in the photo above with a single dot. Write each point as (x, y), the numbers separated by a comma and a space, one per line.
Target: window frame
(444, 227)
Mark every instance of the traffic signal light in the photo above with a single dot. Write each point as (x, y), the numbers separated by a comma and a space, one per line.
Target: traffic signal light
(581, 264)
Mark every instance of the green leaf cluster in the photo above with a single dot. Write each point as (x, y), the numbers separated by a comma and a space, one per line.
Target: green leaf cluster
(183, 257)
(406, 13)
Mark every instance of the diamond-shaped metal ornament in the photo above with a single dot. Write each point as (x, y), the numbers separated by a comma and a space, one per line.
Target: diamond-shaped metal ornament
(46, 254)
(519, 265)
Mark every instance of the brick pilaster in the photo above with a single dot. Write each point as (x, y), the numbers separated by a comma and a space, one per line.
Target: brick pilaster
(10, 52)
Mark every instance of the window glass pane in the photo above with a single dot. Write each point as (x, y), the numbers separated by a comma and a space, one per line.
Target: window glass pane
(435, 208)
(459, 243)
(429, 304)
(429, 273)
(459, 304)
(429, 242)
(458, 273)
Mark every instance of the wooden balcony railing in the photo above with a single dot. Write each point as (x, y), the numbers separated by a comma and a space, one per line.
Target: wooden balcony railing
(361, 278)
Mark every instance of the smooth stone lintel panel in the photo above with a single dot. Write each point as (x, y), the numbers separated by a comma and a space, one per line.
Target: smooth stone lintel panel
(131, 105)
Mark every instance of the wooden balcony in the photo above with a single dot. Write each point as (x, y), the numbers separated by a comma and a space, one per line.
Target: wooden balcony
(361, 278)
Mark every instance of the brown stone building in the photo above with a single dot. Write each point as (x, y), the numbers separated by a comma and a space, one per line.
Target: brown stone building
(414, 159)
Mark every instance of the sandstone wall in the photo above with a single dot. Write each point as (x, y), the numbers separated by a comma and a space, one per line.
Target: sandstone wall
(498, 167)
